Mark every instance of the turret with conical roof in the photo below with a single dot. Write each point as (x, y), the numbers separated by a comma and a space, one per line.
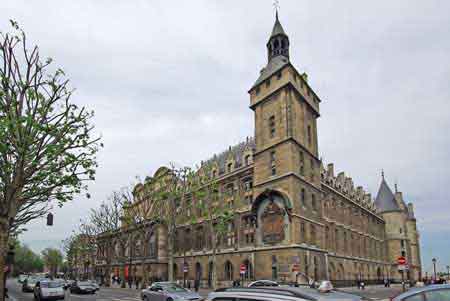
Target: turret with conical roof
(385, 200)
(278, 43)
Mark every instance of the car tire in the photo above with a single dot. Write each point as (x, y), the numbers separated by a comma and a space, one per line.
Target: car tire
(145, 298)
(169, 299)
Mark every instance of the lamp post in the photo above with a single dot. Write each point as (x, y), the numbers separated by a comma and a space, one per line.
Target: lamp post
(434, 268)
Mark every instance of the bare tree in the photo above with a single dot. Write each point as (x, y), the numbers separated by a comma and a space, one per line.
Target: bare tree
(106, 223)
(212, 210)
(46, 149)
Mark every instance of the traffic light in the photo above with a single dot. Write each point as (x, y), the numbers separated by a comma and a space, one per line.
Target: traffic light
(50, 219)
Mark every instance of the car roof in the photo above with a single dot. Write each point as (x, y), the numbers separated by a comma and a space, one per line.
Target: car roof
(266, 296)
(299, 292)
(417, 290)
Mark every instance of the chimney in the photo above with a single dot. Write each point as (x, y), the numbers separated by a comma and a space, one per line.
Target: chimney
(411, 209)
(330, 170)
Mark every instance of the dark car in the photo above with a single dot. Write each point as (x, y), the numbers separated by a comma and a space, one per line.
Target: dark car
(28, 284)
(440, 292)
(82, 287)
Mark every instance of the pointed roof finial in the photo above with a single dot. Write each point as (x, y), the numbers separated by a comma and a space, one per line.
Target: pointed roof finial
(276, 5)
(395, 187)
(382, 173)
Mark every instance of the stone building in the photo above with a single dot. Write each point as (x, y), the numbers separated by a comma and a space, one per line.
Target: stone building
(295, 218)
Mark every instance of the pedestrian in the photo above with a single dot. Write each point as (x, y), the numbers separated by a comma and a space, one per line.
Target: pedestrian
(362, 285)
(196, 284)
(189, 284)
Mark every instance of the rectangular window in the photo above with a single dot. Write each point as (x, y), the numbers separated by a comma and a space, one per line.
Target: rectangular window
(302, 197)
(268, 82)
(273, 163)
(301, 163)
(309, 135)
(272, 126)
(302, 232)
(279, 75)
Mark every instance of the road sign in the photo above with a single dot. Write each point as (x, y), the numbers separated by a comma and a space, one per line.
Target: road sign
(185, 268)
(401, 260)
(242, 268)
(295, 268)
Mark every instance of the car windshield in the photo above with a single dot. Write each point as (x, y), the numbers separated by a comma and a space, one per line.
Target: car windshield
(84, 283)
(32, 280)
(52, 284)
(173, 288)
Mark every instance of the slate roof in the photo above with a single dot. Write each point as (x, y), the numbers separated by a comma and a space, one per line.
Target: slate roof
(237, 153)
(385, 200)
(275, 64)
(277, 28)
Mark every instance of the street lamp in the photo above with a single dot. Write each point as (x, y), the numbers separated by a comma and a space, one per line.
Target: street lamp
(434, 268)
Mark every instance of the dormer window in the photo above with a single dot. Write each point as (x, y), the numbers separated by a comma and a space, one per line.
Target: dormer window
(247, 160)
(279, 75)
(272, 126)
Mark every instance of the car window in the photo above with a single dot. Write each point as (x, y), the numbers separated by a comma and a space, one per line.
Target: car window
(438, 295)
(224, 299)
(416, 297)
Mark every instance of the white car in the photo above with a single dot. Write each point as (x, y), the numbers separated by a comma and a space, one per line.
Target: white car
(263, 283)
(49, 290)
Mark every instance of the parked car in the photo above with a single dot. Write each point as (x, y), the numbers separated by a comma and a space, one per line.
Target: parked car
(437, 292)
(94, 284)
(281, 293)
(263, 283)
(82, 287)
(28, 284)
(22, 278)
(168, 291)
(48, 290)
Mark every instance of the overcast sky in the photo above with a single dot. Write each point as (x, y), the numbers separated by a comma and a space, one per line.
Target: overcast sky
(169, 79)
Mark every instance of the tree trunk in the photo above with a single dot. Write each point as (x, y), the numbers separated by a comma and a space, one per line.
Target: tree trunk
(122, 276)
(214, 269)
(4, 229)
(108, 274)
(171, 258)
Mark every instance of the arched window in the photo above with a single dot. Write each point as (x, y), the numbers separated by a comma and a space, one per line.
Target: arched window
(272, 126)
(228, 270)
(199, 238)
(152, 247)
(302, 197)
(313, 202)
(276, 44)
(248, 270)
(175, 270)
(187, 239)
(313, 235)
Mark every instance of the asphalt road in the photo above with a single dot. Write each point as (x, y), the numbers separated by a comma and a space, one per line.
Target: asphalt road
(118, 294)
(105, 294)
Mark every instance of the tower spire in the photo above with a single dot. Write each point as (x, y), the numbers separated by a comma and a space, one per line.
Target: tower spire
(279, 41)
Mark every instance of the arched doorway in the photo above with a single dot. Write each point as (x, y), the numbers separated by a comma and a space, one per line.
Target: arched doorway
(210, 273)
(198, 271)
(248, 270)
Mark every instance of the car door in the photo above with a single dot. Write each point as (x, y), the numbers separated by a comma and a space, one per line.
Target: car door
(156, 293)
(36, 289)
(438, 295)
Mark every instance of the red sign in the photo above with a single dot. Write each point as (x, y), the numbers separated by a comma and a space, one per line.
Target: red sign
(242, 268)
(296, 268)
(401, 260)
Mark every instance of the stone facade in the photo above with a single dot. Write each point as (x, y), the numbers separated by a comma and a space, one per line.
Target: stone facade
(295, 219)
